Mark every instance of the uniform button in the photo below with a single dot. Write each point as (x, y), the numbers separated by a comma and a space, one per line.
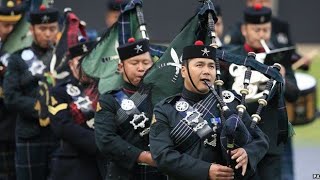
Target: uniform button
(129, 147)
(119, 177)
(110, 175)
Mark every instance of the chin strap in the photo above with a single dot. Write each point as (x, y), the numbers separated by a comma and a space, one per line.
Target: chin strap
(187, 65)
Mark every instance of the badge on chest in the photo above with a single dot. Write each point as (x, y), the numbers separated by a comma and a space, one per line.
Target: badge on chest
(182, 106)
(35, 65)
(82, 102)
(193, 118)
(139, 120)
(127, 104)
(73, 90)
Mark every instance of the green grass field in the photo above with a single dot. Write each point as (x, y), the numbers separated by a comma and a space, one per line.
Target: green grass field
(309, 134)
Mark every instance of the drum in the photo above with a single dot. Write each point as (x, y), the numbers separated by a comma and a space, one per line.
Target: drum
(304, 110)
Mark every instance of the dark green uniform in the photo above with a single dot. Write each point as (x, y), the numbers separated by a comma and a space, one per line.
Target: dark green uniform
(270, 166)
(34, 143)
(116, 136)
(181, 153)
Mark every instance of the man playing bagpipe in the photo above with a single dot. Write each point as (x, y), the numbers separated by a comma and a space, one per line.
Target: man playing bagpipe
(71, 112)
(9, 16)
(124, 116)
(257, 29)
(280, 34)
(186, 136)
(34, 144)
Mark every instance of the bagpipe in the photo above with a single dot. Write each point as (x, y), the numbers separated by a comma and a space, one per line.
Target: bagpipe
(270, 57)
(234, 133)
(300, 112)
(166, 81)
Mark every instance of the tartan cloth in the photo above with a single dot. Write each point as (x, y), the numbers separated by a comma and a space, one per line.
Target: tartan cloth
(7, 169)
(125, 30)
(34, 156)
(145, 172)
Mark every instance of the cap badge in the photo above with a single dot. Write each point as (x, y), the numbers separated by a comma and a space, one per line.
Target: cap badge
(262, 19)
(138, 48)
(205, 52)
(45, 19)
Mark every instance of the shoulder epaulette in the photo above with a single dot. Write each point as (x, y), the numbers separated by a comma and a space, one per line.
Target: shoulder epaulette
(172, 99)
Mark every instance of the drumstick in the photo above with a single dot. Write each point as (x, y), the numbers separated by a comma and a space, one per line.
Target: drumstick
(302, 60)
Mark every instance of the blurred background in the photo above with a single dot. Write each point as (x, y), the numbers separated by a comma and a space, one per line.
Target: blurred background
(165, 18)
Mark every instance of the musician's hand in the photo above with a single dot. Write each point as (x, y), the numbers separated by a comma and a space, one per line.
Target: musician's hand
(306, 60)
(283, 71)
(145, 157)
(218, 171)
(241, 157)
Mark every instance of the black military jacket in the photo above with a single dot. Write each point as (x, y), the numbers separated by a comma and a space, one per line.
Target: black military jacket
(269, 115)
(21, 87)
(71, 112)
(193, 162)
(71, 117)
(7, 119)
(120, 141)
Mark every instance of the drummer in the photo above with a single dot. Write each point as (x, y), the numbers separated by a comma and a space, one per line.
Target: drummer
(257, 26)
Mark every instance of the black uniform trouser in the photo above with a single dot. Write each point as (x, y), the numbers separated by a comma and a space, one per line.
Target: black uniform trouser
(139, 172)
(145, 172)
(269, 168)
(7, 169)
(75, 168)
(34, 156)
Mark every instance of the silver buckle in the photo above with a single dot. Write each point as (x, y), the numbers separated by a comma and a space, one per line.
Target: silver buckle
(145, 132)
(192, 117)
(200, 125)
(212, 143)
(137, 117)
